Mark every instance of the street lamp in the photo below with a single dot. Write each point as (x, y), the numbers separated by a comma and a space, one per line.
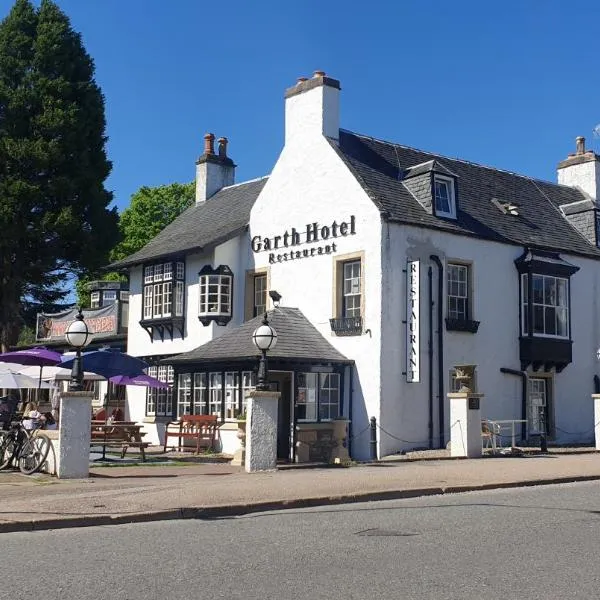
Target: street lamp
(264, 338)
(78, 336)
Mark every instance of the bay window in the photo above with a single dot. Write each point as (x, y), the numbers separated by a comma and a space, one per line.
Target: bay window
(216, 291)
(162, 297)
(550, 303)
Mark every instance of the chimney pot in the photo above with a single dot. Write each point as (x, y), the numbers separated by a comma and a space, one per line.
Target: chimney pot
(319, 74)
(209, 140)
(301, 79)
(222, 147)
(580, 144)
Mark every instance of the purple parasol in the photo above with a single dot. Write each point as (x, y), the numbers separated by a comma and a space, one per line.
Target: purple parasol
(144, 380)
(41, 357)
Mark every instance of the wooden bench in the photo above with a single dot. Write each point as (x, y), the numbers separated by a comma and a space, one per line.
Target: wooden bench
(119, 434)
(200, 428)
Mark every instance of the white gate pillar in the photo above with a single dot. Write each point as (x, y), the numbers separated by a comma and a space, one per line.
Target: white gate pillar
(596, 398)
(465, 424)
(74, 433)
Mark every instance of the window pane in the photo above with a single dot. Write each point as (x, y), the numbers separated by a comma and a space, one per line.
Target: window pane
(184, 394)
(199, 407)
(550, 320)
(550, 291)
(167, 271)
(538, 319)
(260, 294)
(180, 270)
(442, 196)
(214, 394)
(538, 289)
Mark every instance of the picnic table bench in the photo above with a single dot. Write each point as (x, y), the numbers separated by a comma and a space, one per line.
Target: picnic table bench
(119, 434)
(200, 428)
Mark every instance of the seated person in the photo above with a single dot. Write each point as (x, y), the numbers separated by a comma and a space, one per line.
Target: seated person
(32, 417)
(5, 413)
(49, 421)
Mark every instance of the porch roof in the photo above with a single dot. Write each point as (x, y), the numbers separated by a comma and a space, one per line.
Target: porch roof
(297, 340)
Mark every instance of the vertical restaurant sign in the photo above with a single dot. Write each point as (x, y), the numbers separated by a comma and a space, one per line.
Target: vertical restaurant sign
(412, 322)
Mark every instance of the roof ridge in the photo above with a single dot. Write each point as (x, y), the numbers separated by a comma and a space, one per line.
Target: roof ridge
(461, 160)
(228, 187)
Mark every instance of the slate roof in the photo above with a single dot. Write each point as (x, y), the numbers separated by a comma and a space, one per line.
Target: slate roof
(297, 340)
(221, 217)
(379, 167)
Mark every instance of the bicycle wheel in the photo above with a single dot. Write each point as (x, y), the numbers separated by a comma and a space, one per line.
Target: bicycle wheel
(7, 449)
(33, 454)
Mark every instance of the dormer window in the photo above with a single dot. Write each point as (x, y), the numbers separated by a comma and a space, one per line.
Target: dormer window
(443, 190)
(216, 289)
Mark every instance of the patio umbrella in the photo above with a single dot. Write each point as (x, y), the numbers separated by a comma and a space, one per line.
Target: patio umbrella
(108, 363)
(144, 380)
(59, 374)
(12, 380)
(40, 357)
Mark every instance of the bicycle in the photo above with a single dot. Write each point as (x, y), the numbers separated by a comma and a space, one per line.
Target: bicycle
(27, 449)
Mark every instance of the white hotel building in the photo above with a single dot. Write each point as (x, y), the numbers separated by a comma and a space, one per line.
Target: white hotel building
(393, 265)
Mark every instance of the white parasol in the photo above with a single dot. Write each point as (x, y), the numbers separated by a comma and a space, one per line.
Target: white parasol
(10, 379)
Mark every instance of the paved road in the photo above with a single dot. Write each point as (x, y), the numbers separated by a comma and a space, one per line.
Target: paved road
(532, 543)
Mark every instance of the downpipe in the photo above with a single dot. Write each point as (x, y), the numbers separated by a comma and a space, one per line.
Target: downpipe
(440, 344)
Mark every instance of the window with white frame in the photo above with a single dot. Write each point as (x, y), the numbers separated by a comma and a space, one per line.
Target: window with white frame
(109, 297)
(215, 389)
(159, 290)
(260, 294)
(95, 300)
(318, 396)
(202, 393)
(444, 198)
(184, 394)
(458, 292)
(550, 300)
(538, 405)
(216, 287)
(159, 402)
(351, 288)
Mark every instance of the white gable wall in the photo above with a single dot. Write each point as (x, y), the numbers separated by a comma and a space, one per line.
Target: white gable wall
(311, 184)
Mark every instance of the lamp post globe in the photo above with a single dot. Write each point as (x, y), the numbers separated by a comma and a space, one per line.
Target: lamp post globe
(78, 336)
(264, 338)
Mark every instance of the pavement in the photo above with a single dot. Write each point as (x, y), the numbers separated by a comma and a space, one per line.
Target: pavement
(159, 491)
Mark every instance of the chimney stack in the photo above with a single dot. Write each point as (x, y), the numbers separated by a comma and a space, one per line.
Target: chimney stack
(213, 171)
(581, 170)
(312, 109)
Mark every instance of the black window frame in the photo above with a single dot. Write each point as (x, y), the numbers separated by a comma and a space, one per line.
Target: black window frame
(206, 316)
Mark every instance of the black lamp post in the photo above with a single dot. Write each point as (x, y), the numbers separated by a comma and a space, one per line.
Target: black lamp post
(264, 338)
(78, 336)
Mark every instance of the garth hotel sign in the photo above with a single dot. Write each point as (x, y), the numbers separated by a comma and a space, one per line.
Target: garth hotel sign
(314, 233)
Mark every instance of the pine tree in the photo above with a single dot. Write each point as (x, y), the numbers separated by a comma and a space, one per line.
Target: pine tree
(54, 209)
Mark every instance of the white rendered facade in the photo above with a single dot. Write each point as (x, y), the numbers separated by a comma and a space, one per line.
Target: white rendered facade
(312, 189)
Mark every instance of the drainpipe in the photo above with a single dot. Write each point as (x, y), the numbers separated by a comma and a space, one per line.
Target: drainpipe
(440, 344)
(430, 355)
(596, 384)
(350, 402)
(523, 376)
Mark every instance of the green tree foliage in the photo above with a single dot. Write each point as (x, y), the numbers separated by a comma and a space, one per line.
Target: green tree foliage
(54, 209)
(150, 211)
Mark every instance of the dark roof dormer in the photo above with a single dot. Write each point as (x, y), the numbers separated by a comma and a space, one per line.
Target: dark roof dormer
(434, 186)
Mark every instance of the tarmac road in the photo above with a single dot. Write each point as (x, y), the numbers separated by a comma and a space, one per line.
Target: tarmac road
(536, 542)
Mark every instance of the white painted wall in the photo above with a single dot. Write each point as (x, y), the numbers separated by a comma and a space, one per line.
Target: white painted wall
(310, 184)
(404, 410)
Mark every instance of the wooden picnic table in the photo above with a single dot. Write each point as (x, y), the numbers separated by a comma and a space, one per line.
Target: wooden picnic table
(123, 434)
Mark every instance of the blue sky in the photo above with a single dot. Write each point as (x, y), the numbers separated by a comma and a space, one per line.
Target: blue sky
(507, 83)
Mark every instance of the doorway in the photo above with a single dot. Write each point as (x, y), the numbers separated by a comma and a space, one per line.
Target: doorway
(281, 381)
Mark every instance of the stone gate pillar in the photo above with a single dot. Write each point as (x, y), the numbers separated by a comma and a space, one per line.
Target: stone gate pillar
(74, 429)
(261, 431)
